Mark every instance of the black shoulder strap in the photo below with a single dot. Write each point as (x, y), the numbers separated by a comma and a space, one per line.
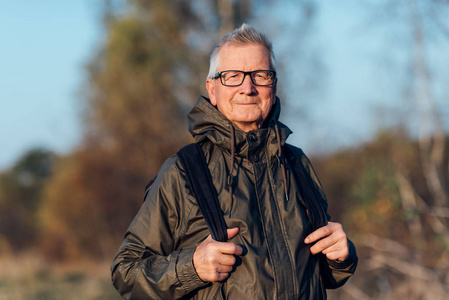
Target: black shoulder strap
(316, 205)
(200, 181)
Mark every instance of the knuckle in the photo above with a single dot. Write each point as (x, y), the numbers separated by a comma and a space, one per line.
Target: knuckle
(211, 259)
(339, 228)
(341, 235)
(331, 256)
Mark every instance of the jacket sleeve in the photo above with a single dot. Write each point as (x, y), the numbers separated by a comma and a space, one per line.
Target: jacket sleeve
(148, 264)
(335, 274)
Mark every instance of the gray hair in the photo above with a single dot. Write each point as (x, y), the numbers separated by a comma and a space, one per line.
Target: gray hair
(245, 35)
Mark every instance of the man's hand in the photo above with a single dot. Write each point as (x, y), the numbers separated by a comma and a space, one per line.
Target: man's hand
(213, 261)
(330, 240)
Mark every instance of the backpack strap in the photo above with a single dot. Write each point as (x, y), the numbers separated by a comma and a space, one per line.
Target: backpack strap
(200, 181)
(312, 198)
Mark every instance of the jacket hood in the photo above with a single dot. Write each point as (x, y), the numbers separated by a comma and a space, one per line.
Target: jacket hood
(207, 122)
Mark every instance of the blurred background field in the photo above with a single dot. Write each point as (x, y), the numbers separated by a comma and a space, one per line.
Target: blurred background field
(94, 97)
(27, 277)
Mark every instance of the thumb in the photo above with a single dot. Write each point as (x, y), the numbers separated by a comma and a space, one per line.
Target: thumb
(232, 232)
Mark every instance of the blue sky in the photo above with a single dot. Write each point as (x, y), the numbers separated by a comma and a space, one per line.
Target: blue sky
(43, 47)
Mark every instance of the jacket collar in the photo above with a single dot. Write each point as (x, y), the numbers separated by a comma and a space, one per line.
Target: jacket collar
(206, 122)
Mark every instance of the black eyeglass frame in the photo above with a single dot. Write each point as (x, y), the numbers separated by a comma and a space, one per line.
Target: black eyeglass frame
(219, 75)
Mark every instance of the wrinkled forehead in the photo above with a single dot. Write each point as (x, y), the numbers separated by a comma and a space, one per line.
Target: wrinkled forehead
(248, 57)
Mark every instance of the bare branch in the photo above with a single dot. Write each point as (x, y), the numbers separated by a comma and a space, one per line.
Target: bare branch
(440, 211)
(404, 267)
(383, 244)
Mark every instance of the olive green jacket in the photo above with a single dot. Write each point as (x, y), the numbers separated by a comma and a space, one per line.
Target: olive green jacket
(155, 258)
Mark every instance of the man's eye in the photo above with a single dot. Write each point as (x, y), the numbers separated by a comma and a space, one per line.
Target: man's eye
(232, 76)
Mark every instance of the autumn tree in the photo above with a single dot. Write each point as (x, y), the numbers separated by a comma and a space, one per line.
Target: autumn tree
(21, 195)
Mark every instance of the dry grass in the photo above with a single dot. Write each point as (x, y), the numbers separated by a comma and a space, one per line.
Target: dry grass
(29, 277)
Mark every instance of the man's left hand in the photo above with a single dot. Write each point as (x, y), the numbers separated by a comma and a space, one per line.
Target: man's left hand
(330, 240)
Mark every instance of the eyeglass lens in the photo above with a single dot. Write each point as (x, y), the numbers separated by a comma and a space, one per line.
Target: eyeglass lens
(235, 78)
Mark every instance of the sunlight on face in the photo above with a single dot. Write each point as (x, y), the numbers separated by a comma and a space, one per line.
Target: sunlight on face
(247, 105)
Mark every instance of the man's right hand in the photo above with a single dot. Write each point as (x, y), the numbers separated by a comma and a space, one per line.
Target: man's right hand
(213, 261)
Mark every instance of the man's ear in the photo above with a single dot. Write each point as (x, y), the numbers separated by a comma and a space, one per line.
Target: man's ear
(210, 86)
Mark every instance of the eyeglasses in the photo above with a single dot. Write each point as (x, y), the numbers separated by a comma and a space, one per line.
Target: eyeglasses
(236, 78)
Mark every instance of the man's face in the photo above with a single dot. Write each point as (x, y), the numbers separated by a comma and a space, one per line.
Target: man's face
(247, 105)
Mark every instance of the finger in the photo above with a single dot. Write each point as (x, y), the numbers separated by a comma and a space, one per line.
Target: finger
(210, 244)
(232, 232)
(230, 248)
(318, 234)
(222, 276)
(335, 242)
(216, 276)
(226, 260)
(339, 255)
(330, 229)
(225, 269)
(322, 245)
(338, 251)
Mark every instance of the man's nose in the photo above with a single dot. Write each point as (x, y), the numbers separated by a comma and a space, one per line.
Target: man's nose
(247, 86)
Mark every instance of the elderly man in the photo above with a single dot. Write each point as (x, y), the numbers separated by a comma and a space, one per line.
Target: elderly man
(272, 252)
